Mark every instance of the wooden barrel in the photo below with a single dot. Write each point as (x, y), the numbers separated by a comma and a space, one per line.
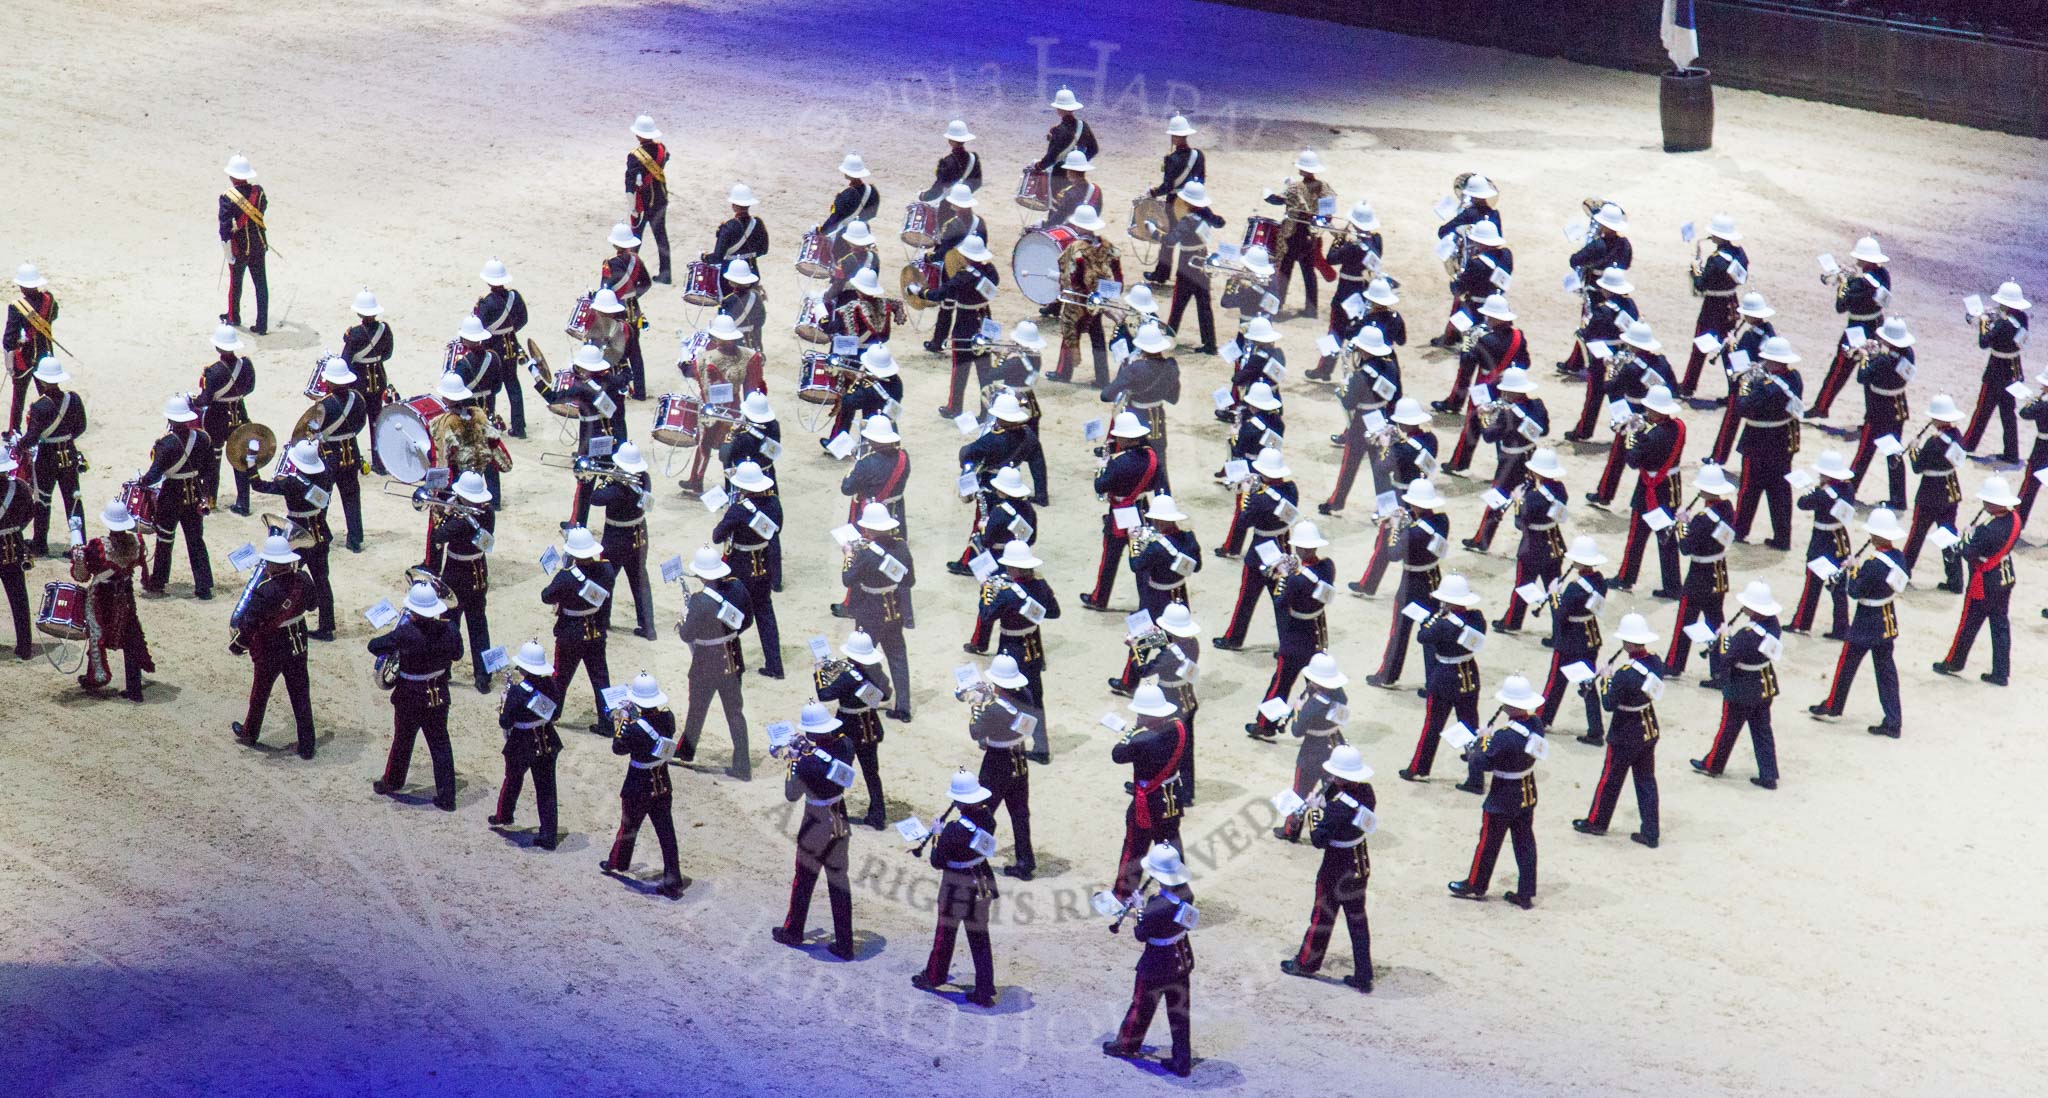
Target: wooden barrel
(1686, 100)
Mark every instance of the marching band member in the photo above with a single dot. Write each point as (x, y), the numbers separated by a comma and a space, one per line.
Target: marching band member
(1409, 455)
(1161, 563)
(1631, 371)
(1753, 328)
(1607, 244)
(269, 626)
(1654, 452)
(465, 433)
(876, 389)
(740, 236)
(1372, 386)
(588, 393)
(459, 541)
(1004, 515)
(1610, 308)
(580, 592)
(29, 335)
(1164, 969)
(957, 222)
(424, 645)
(2036, 412)
(1184, 243)
(822, 836)
(175, 463)
(724, 360)
(527, 716)
(751, 531)
(245, 242)
(607, 327)
(1450, 637)
(1424, 536)
(1355, 255)
(1488, 264)
(17, 510)
(1127, 478)
(1298, 247)
(1703, 541)
(858, 687)
(967, 890)
(855, 252)
(1520, 422)
(957, 168)
(857, 201)
(1575, 606)
(1498, 346)
(1861, 294)
(1183, 164)
(478, 365)
(1249, 290)
(1476, 195)
(1259, 357)
(878, 574)
(646, 734)
(1873, 581)
(1937, 456)
(1767, 401)
(305, 486)
(1741, 660)
(106, 567)
(970, 291)
(1000, 724)
(881, 475)
(1986, 551)
(1005, 442)
(1540, 502)
(1012, 606)
(1146, 384)
(1268, 509)
(503, 312)
(1716, 280)
(1299, 599)
(745, 303)
(2002, 332)
(1884, 374)
(55, 421)
(862, 312)
(647, 182)
(1630, 692)
(1067, 135)
(1093, 260)
(1376, 305)
(1017, 372)
(1071, 190)
(1318, 720)
(1174, 669)
(344, 412)
(713, 618)
(626, 276)
(1339, 832)
(1154, 746)
(624, 496)
(1509, 752)
(1261, 422)
(223, 385)
(1832, 504)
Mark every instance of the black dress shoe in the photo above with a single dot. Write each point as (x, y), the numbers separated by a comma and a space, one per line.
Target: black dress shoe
(206, 596)
(1109, 1048)
(839, 610)
(1520, 899)
(1445, 408)
(1945, 669)
(1374, 679)
(1465, 891)
(383, 787)
(1995, 680)
(1206, 349)
(1358, 588)
(1700, 765)
(1471, 787)
(1042, 758)
(785, 936)
(1408, 775)
(1884, 730)
(445, 806)
(1819, 710)
(1225, 644)
(1591, 740)
(1761, 783)
(647, 634)
(496, 820)
(1117, 687)
(1092, 603)
(321, 635)
(1639, 837)
(483, 684)
(958, 568)
(673, 887)
(1585, 827)
(918, 981)
(1290, 967)
(841, 950)
(241, 735)
(1180, 1068)
(1322, 508)
(1257, 733)
(1360, 981)
(306, 753)
(1664, 593)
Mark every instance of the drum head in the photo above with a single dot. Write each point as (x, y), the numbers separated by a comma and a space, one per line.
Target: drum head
(403, 443)
(1035, 267)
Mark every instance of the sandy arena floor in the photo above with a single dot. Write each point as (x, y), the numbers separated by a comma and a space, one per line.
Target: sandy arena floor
(182, 915)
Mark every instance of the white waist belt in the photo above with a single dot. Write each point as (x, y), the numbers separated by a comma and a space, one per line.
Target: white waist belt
(1513, 775)
(1166, 941)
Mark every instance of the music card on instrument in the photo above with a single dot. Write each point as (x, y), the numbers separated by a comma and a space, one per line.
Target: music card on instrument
(1138, 622)
(496, 659)
(601, 446)
(244, 558)
(1126, 518)
(1658, 520)
(1501, 278)
(1706, 343)
(1573, 283)
(1824, 569)
(1353, 306)
(1120, 349)
(821, 649)
(841, 446)
(912, 829)
(1800, 480)
(1738, 361)
(1233, 352)
(1385, 503)
(1415, 612)
(1618, 413)
(1575, 231)
(615, 695)
(1577, 672)
(714, 499)
(1687, 232)
(967, 485)
(1941, 537)
(1699, 632)
(965, 677)
(2018, 391)
(1829, 268)
(1493, 499)
(1113, 722)
(1459, 735)
(1532, 593)
(1287, 802)
(593, 593)
(1462, 321)
(1326, 344)
(1373, 420)
(1092, 430)
(983, 566)
(967, 423)
(990, 331)
(1854, 337)
(1889, 445)
(438, 478)
(551, 560)
(382, 615)
(672, 569)
(781, 734)
(1275, 710)
(1444, 208)
(845, 346)
(1268, 554)
(1223, 398)
(2041, 476)
(1600, 349)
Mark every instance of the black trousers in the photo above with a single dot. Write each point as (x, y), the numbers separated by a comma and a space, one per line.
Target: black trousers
(172, 515)
(520, 761)
(1556, 685)
(821, 847)
(1692, 604)
(888, 636)
(253, 265)
(1636, 761)
(709, 679)
(1993, 399)
(1007, 775)
(1187, 290)
(14, 578)
(1493, 827)
(1991, 607)
(654, 219)
(1146, 997)
(1734, 716)
(573, 651)
(1340, 888)
(420, 709)
(475, 613)
(348, 485)
(1300, 255)
(314, 557)
(964, 899)
(761, 592)
(650, 800)
(1887, 672)
(268, 665)
(1763, 478)
(626, 548)
(1416, 587)
(1895, 465)
(56, 471)
(1809, 605)
(1435, 714)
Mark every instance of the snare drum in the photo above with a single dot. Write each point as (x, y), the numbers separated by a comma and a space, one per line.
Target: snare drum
(1035, 262)
(316, 389)
(814, 256)
(564, 378)
(24, 459)
(675, 419)
(404, 439)
(142, 502)
(917, 278)
(1034, 190)
(819, 381)
(701, 285)
(1261, 232)
(1150, 219)
(579, 319)
(63, 612)
(811, 318)
(920, 224)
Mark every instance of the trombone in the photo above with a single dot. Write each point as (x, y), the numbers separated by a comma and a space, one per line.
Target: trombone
(588, 468)
(429, 499)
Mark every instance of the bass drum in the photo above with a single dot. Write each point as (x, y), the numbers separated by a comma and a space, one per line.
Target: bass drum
(1035, 262)
(404, 439)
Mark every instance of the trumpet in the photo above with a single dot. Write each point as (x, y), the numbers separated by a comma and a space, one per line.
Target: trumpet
(1147, 644)
(1396, 521)
(1284, 567)
(1488, 411)
(623, 714)
(1470, 338)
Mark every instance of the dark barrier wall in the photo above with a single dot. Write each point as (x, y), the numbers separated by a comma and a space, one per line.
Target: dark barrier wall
(1858, 64)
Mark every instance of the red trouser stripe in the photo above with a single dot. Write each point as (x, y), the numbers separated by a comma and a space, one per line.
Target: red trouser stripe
(1835, 699)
